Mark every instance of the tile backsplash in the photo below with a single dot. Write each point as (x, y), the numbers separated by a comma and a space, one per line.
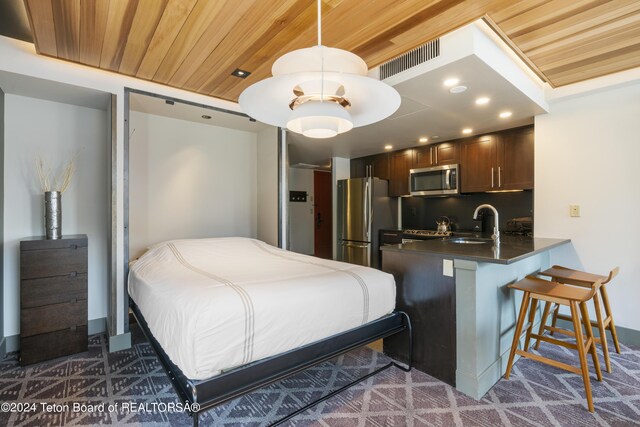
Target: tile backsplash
(423, 212)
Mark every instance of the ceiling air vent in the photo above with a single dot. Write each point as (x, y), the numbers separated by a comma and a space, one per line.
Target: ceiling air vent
(410, 59)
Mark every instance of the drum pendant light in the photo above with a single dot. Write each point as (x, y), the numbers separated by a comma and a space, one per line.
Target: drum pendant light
(319, 92)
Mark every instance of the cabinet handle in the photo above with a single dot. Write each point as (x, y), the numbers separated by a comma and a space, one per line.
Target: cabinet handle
(491, 177)
(431, 156)
(499, 177)
(436, 150)
(390, 234)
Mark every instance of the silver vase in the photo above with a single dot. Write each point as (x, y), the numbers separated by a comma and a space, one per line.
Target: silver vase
(53, 214)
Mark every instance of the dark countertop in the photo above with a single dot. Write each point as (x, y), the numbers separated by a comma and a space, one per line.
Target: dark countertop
(511, 248)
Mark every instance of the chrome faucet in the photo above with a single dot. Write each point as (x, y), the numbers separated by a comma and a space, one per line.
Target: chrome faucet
(496, 233)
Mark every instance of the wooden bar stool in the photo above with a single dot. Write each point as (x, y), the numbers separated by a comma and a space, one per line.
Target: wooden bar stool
(535, 290)
(579, 278)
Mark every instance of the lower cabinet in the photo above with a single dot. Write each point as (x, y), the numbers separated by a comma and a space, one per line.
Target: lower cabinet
(428, 297)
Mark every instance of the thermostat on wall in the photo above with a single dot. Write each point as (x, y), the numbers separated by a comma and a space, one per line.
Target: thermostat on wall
(297, 196)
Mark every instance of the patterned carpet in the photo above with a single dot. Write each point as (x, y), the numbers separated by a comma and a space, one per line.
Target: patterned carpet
(536, 395)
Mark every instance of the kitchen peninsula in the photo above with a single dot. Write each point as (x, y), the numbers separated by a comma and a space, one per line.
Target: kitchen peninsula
(463, 314)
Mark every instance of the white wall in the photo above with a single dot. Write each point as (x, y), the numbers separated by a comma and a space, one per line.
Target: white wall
(189, 180)
(301, 225)
(268, 186)
(57, 132)
(587, 153)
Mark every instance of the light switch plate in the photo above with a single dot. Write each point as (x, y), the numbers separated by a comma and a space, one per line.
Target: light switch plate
(574, 211)
(447, 267)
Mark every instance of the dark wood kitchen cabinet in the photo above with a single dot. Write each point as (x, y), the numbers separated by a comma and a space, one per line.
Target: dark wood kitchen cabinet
(375, 166)
(479, 163)
(445, 153)
(400, 163)
(53, 298)
(516, 167)
(502, 161)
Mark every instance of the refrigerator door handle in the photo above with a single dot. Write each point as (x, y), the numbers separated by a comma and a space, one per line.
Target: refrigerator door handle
(355, 245)
(367, 207)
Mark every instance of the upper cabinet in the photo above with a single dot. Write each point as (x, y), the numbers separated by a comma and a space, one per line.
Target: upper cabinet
(401, 162)
(445, 153)
(479, 163)
(375, 166)
(502, 161)
(515, 171)
(494, 162)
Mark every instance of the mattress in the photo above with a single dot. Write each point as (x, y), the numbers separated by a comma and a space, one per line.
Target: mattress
(216, 304)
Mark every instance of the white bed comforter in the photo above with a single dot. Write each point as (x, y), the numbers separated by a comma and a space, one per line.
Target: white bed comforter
(214, 304)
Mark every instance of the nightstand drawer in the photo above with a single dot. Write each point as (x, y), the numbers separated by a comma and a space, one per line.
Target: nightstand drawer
(53, 290)
(54, 317)
(54, 344)
(52, 262)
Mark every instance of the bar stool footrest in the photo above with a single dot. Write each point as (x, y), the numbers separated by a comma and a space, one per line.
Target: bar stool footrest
(550, 340)
(549, 362)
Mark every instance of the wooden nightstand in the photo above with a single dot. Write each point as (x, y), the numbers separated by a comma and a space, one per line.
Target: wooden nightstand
(53, 297)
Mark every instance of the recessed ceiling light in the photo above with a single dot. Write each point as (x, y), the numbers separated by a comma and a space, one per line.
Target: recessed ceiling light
(467, 131)
(206, 117)
(243, 74)
(482, 101)
(505, 114)
(423, 139)
(388, 147)
(451, 82)
(458, 89)
(435, 137)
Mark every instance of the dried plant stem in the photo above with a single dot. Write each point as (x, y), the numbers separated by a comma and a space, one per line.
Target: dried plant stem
(61, 182)
(43, 175)
(67, 174)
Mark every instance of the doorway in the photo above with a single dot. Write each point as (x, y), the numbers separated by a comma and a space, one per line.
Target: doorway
(322, 215)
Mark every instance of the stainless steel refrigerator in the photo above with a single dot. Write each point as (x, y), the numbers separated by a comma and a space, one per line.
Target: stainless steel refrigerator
(364, 208)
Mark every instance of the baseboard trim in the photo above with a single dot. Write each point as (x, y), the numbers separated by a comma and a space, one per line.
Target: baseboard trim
(119, 342)
(12, 343)
(626, 336)
(97, 326)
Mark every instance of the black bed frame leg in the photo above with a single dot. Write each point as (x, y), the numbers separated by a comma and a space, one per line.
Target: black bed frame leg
(410, 332)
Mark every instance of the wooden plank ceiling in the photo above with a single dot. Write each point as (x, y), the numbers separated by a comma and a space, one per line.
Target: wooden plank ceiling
(196, 44)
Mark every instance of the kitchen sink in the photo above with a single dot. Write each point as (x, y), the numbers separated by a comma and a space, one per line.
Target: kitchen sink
(469, 240)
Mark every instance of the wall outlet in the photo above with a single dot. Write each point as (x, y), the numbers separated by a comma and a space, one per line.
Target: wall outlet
(447, 267)
(574, 211)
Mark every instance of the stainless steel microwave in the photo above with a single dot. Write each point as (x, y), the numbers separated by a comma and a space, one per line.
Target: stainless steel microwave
(435, 181)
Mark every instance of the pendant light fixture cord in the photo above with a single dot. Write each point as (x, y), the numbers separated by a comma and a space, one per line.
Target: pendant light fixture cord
(319, 23)
(321, 51)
